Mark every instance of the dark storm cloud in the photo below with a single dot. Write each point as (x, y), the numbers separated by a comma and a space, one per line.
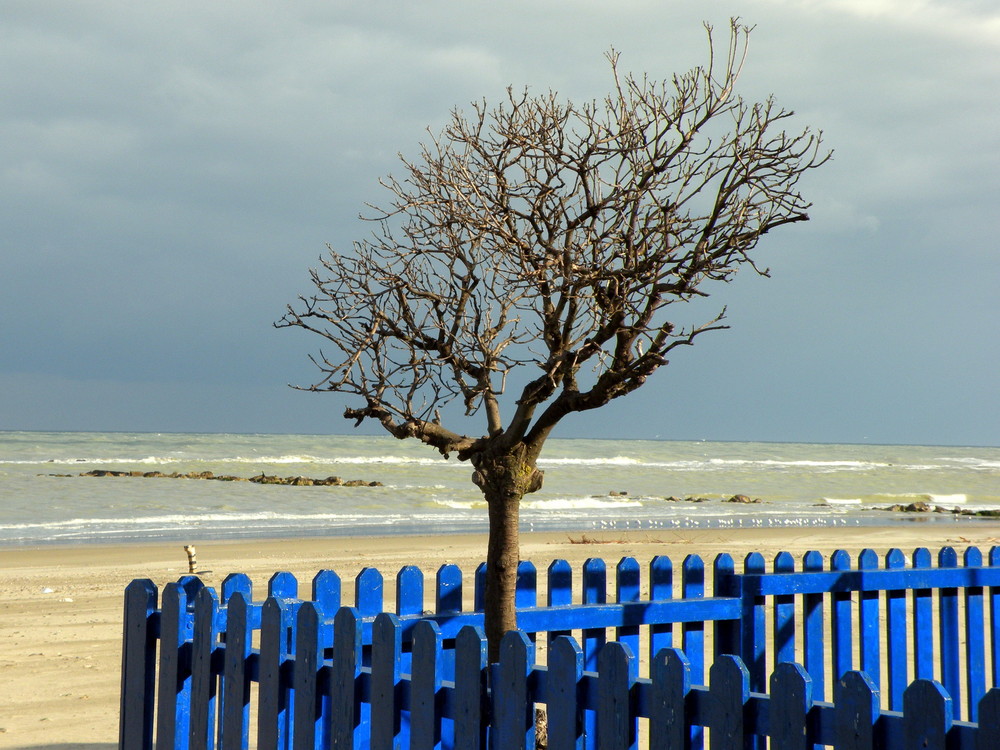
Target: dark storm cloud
(170, 172)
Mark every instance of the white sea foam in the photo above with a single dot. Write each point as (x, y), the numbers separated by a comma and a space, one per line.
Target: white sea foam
(842, 500)
(461, 504)
(912, 497)
(948, 499)
(392, 460)
(195, 521)
(612, 461)
(581, 503)
(557, 503)
(270, 460)
(806, 464)
(971, 462)
(151, 460)
(717, 463)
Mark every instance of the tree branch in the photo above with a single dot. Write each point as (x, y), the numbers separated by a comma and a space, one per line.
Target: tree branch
(544, 244)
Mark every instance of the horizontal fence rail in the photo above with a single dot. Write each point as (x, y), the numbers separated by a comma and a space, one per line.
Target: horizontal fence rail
(202, 670)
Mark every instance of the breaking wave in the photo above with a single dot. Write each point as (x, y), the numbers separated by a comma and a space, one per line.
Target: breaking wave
(612, 461)
(277, 460)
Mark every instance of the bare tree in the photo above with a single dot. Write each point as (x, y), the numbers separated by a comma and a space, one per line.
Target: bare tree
(528, 260)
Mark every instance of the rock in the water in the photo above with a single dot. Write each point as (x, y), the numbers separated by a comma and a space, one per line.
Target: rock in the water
(743, 499)
(918, 507)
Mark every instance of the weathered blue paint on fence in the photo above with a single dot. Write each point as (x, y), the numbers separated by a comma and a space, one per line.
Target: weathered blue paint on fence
(307, 717)
(896, 623)
(138, 664)
(426, 717)
(949, 632)
(670, 675)
(513, 723)
(236, 685)
(387, 710)
(989, 721)
(345, 704)
(344, 677)
(856, 698)
(565, 669)
(784, 613)
(272, 708)
(753, 642)
(448, 594)
(661, 588)
(975, 636)
(617, 722)
(791, 700)
(469, 697)
(840, 563)
(203, 685)
(813, 640)
(923, 621)
(595, 591)
(869, 618)
(174, 688)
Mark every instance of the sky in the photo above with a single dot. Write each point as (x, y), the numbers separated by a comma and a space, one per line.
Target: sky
(169, 172)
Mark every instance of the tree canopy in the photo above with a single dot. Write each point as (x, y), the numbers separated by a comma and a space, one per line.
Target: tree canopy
(543, 233)
(529, 261)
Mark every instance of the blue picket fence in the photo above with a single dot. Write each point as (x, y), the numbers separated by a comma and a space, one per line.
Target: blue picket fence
(872, 655)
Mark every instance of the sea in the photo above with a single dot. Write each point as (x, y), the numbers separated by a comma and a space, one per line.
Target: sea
(590, 485)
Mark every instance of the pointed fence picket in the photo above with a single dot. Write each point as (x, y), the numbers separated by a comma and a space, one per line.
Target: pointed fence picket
(327, 675)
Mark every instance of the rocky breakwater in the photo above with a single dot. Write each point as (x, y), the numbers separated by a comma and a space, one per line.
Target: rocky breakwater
(261, 478)
(743, 499)
(925, 507)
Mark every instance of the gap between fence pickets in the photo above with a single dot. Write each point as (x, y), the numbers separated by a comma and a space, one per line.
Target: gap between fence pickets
(947, 579)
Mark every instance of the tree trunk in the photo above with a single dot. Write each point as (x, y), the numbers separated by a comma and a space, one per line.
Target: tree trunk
(504, 477)
(502, 558)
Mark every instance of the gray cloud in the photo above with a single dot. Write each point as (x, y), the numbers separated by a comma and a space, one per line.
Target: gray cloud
(172, 170)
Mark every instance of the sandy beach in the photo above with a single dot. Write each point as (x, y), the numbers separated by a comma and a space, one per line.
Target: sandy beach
(60, 607)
